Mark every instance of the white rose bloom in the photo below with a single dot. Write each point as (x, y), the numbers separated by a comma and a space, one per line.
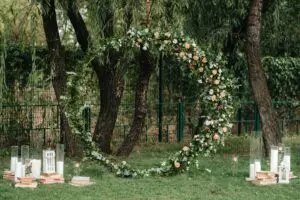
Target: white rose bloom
(222, 94)
(213, 97)
(217, 82)
(167, 34)
(211, 91)
(207, 122)
(185, 148)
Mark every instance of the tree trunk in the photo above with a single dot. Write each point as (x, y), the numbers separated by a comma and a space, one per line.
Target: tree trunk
(111, 92)
(146, 69)
(111, 85)
(58, 66)
(257, 78)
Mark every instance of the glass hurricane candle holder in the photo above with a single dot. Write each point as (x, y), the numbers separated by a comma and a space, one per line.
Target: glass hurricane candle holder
(25, 158)
(255, 154)
(274, 159)
(60, 153)
(36, 163)
(49, 161)
(287, 158)
(284, 174)
(14, 158)
(18, 170)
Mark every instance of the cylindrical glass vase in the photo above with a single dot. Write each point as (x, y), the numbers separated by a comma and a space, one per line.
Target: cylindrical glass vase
(24, 158)
(287, 158)
(257, 166)
(14, 158)
(255, 147)
(19, 170)
(36, 162)
(49, 161)
(60, 154)
(274, 159)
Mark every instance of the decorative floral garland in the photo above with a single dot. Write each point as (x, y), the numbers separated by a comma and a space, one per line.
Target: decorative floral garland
(217, 98)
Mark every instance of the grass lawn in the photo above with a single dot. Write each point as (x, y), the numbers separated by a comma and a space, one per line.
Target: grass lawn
(220, 183)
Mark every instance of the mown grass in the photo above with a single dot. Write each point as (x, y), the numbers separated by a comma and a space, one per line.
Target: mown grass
(214, 180)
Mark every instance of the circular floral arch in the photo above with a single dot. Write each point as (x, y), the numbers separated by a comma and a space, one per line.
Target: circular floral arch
(217, 99)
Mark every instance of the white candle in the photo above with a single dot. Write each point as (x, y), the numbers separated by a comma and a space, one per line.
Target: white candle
(18, 172)
(60, 167)
(23, 170)
(274, 160)
(36, 168)
(287, 162)
(252, 173)
(257, 166)
(13, 162)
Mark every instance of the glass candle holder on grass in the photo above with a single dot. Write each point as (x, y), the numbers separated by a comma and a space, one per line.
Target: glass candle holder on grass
(14, 158)
(60, 153)
(25, 158)
(18, 170)
(274, 159)
(284, 174)
(255, 155)
(287, 158)
(49, 161)
(36, 163)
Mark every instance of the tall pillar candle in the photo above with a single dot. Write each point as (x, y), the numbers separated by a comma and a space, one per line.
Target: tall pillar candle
(252, 171)
(274, 159)
(13, 163)
(60, 167)
(19, 169)
(257, 166)
(13, 158)
(36, 165)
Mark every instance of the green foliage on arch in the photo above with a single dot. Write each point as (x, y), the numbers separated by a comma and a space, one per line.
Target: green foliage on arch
(216, 96)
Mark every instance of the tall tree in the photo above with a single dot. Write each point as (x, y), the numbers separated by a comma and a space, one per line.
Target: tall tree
(109, 73)
(58, 66)
(146, 69)
(258, 79)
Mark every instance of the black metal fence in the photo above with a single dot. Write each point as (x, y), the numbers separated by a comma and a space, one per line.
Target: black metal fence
(40, 122)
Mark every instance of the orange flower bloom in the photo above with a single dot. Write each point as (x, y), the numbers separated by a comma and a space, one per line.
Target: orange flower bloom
(187, 45)
(204, 60)
(177, 164)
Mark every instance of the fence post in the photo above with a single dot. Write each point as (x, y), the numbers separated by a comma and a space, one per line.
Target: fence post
(180, 121)
(239, 116)
(256, 121)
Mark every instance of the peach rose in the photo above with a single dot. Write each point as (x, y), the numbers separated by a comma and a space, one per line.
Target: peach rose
(216, 136)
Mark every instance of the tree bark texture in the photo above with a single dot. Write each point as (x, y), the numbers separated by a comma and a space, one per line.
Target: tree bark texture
(111, 85)
(136, 129)
(58, 66)
(111, 92)
(257, 78)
